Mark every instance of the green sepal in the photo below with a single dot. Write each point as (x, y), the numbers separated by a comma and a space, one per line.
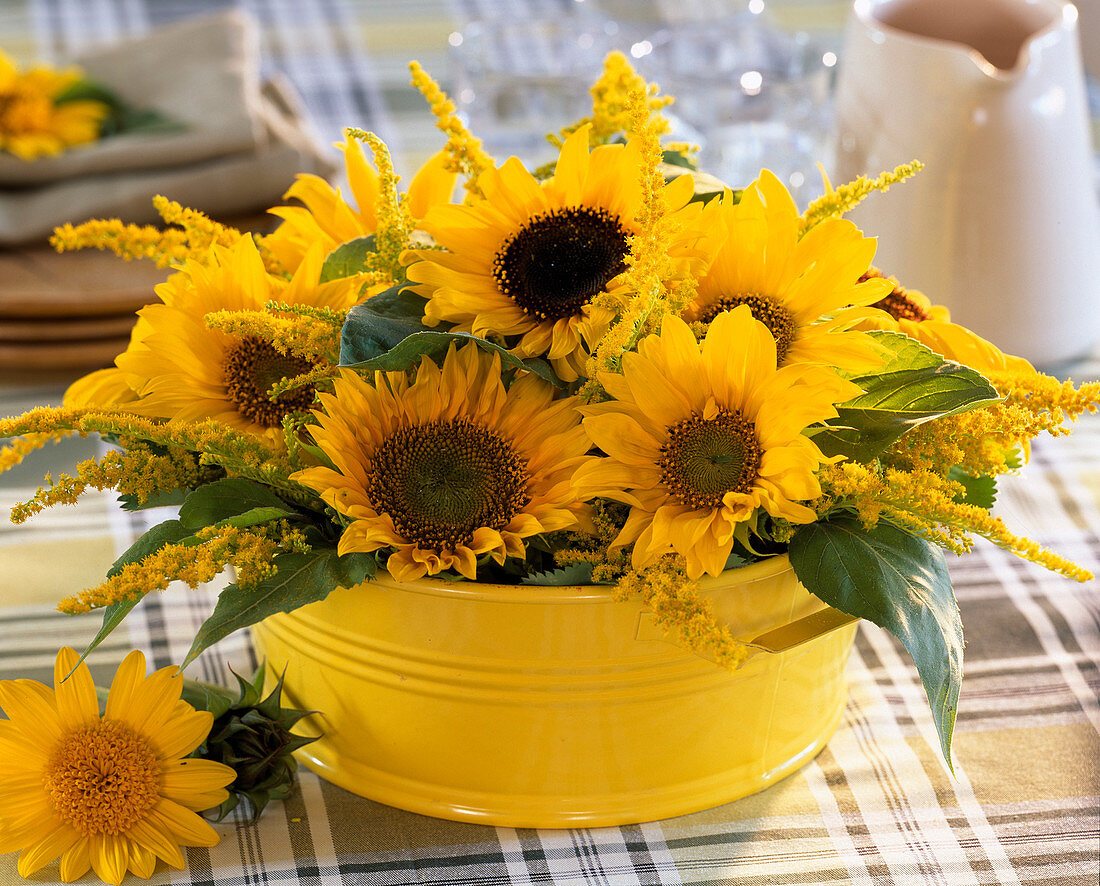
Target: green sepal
(252, 734)
(900, 582)
(574, 574)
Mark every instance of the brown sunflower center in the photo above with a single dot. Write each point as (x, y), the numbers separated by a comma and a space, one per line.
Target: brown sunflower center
(898, 304)
(441, 481)
(250, 368)
(103, 778)
(556, 263)
(704, 458)
(769, 311)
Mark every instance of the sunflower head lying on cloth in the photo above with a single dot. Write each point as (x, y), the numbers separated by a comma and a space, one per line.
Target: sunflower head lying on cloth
(610, 371)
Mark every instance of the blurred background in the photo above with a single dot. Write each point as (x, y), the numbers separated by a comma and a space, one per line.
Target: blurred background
(755, 82)
(753, 77)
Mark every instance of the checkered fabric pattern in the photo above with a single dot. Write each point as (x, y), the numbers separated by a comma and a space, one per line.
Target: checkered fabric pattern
(877, 806)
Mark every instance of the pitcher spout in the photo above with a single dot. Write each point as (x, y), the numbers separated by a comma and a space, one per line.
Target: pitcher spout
(998, 37)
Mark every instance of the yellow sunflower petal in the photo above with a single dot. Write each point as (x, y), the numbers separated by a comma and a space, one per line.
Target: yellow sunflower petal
(142, 861)
(75, 861)
(110, 857)
(433, 184)
(29, 710)
(185, 826)
(75, 697)
(153, 837)
(184, 731)
(179, 781)
(36, 857)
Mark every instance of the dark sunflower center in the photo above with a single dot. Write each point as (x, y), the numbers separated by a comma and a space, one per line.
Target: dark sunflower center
(556, 263)
(441, 481)
(767, 310)
(250, 368)
(704, 458)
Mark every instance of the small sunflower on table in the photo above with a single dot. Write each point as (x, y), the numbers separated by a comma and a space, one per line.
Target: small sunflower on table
(46, 111)
(600, 372)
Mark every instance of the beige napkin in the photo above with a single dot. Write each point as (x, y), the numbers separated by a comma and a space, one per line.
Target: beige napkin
(243, 143)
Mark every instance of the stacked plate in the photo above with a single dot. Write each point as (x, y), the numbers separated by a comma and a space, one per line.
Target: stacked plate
(70, 311)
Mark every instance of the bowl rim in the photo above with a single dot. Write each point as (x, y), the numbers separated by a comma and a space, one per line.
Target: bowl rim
(762, 570)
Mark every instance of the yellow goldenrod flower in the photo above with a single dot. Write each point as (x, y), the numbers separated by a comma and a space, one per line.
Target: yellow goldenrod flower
(32, 123)
(14, 453)
(217, 444)
(181, 368)
(139, 471)
(191, 237)
(327, 218)
(531, 259)
(112, 793)
(925, 503)
(674, 599)
(450, 467)
(464, 152)
(700, 436)
(615, 96)
(834, 203)
(251, 552)
(647, 261)
(310, 333)
(790, 282)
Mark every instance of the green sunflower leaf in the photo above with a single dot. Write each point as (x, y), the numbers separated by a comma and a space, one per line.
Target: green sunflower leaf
(916, 385)
(232, 497)
(434, 345)
(379, 324)
(300, 578)
(113, 616)
(979, 491)
(123, 117)
(900, 583)
(166, 533)
(348, 259)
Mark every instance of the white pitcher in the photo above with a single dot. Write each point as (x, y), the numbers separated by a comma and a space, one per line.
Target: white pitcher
(1002, 225)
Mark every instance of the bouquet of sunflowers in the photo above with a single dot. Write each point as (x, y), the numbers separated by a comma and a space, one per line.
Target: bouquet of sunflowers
(608, 371)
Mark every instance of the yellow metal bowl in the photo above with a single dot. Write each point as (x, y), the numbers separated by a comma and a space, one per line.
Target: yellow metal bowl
(558, 707)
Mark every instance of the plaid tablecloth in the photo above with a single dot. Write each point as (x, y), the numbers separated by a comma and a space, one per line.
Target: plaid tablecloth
(876, 807)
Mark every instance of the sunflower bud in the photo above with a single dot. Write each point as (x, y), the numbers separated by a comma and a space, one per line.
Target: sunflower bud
(251, 735)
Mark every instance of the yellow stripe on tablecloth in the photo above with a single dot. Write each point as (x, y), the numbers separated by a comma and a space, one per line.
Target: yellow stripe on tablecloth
(1046, 763)
(43, 572)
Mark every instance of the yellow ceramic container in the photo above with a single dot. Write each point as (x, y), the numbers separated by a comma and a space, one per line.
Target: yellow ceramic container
(557, 707)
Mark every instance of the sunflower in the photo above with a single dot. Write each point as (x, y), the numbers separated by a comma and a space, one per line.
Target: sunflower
(450, 467)
(113, 793)
(32, 123)
(790, 283)
(326, 218)
(911, 313)
(528, 259)
(178, 368)
(698, 436)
